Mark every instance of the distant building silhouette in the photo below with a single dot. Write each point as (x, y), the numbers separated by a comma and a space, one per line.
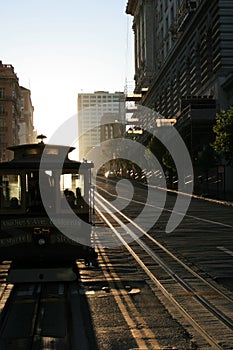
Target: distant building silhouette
(27, 134)
(91, 109)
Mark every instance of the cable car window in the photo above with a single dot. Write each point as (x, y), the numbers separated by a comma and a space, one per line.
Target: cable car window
(34, 180)
(53, 151)
(72, 189)
(10, 188)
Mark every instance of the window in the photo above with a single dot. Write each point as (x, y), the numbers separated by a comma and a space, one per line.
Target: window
(172, 14)
(106, 132)
(2, 138)
(1, 109)
(2, 123)
(72, 190)
(111, 132)
(10, 187)
(192, 4)
(166, 25)
(1, 92)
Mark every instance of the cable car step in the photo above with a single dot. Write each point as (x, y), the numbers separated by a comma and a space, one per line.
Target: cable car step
(64, 274)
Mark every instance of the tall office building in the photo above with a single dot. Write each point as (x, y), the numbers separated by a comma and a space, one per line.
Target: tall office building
(92, 107)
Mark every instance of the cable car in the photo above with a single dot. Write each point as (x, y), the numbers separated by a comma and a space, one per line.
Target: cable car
(46, 209)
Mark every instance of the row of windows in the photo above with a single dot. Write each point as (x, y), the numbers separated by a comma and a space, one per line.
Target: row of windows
(100, 105)
(2, 109)
(2, 93)
(95, 99)
(94, 107)
(92, 98)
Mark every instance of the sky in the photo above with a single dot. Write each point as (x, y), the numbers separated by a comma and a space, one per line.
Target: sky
(61, 48)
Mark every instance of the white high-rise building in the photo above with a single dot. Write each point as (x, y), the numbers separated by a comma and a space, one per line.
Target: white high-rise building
(91, 109)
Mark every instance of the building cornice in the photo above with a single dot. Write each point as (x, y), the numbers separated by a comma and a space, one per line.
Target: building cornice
(131, 7)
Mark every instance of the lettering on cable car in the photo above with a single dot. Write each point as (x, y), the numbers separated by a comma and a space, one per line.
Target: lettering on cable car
(38, 222)
(25, 222)
(41, 231)
(10, 241)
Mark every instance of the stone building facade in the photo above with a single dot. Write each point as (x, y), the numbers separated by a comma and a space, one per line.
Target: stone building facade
(10, 109)
(184, 62)
(182, 49)
(16, 112)
(27, 134)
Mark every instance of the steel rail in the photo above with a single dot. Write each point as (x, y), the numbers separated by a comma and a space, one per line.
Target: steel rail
(171, 210)
(195, 274)
(156, 258)
(167, 269)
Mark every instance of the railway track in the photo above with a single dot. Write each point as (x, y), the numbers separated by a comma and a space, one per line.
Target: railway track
(121, 297)
(41, 316)
(201, 302)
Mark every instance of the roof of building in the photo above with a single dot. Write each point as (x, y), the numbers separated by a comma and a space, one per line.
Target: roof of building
(7, 71)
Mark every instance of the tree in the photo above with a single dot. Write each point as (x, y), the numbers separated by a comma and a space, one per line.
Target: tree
(223, 130)
(207, 158)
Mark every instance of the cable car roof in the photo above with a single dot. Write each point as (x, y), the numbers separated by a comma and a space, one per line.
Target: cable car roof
(31, 155)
